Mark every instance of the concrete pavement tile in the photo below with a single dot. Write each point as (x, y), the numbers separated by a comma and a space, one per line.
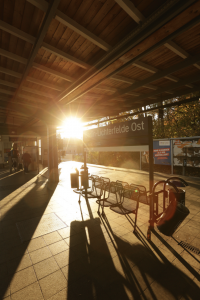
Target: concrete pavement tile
(118, 291)
(106, 274)
(45, 267)
(63, 258)
(75, 239)
(191, 258)
(39, 255)
(76, 270)
(189, 232)
(18, 264)
(196, 243)
(4, 270)
(188, 270)
(17, 251)
(167, 253)
(22, 279)
(31, 292)
(52, 237)
(62, 295)
(36, 244)
(4, 287)
(52, 284)
(85, 288)
(66, 232)
(58, 247)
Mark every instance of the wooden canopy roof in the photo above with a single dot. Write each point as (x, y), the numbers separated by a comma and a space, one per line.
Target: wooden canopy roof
(94, 58)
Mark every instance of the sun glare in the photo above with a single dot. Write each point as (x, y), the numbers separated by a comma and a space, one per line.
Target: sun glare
(72, 128)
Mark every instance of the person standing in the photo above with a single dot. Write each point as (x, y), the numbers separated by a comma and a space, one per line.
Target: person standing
(10, 162)
(26, 161)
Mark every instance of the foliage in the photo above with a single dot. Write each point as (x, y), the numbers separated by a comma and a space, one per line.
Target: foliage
(179, 121)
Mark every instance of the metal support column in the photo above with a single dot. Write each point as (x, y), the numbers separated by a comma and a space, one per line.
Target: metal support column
(52, 155)
(151, 179)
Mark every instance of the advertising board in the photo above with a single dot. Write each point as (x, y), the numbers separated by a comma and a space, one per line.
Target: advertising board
(162, 152)
(187, 151)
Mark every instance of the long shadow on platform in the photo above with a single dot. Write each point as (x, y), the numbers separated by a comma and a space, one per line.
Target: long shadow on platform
(102, 265)
(27, 202)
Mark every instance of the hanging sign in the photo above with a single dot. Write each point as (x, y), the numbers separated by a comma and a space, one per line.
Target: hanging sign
(134, 132)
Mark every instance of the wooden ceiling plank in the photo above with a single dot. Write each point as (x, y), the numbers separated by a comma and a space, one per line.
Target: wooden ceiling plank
(106, 88)
(41, 4)
(7, 83)
(153, 70)
(10, 72)
(43, 83)
(145, 67)
(190, 86)
(131, 10)
(172, 78)
(81, 83)
(6, 92)
(36, 92)
(176, 49)
(52, 72)
(34, 99)
(179, 51)
(197, 66)
(65, 20)
(132, 81)
(38, 41)
(17, 32)
(65, 56)
(123, 79)
(13, 56)
(133, 94)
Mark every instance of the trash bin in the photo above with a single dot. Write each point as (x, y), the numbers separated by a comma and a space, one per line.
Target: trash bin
(84, 176)
(75, 180)
(172, 217)
(179, 197)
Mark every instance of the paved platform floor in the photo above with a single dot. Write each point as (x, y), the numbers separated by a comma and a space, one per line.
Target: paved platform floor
(52, 247)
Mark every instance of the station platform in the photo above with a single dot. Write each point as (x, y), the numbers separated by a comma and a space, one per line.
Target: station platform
(52, 247)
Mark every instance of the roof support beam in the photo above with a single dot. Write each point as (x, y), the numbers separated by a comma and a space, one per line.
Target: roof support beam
(176, 49)
(7, 83)
(131, 10)
(34, 99)
(65, 20)
(52, 72)
(133, 40)
(34, 91)
(132, 81)
(17, 32)
(41, 4)
(153, 70)
(13, 56)
(10, 72)
(70, 23)
(181, 65)
(172, 86)
(43, 83)
(179, 51)
(65, 56)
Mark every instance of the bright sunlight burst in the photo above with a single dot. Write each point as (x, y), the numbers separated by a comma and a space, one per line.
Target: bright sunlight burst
(72, 128)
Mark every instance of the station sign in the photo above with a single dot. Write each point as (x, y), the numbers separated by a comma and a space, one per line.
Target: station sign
(134, 132)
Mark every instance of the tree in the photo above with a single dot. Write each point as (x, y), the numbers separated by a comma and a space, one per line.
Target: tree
(179, 121)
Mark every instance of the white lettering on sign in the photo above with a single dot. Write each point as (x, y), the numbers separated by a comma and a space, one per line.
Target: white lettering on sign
(119, 129)
(164, 143)
(137, 127)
